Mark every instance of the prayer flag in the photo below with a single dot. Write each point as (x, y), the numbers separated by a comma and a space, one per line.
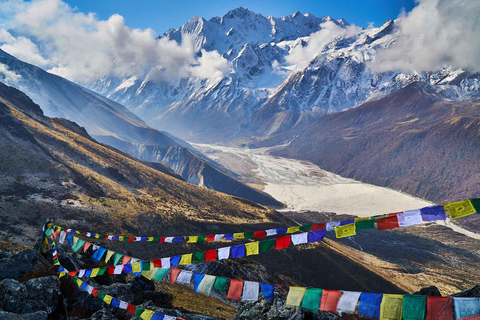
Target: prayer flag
(131, 308)
(238, 236)
(331, 225)
(147, 314)
(137, 267)
(387, 223)
(414, 307)
(210, 255)
(306, 227)
(238, 251)
(345, 231)
(221, 283)
(146, 265)
(61, 238)
(281, 230)
(115, 303)
(252, 248)
(201, 239)
(97, 256)
(311, 299)
(206, 285)
(300, 238)
(157, 263)
(348, 302)
(439, 308)
(229, 236)
(125, 259)
(330, 300)
(348, 221)
(219, 237)
(78, 244)
(185, 277)
(94, 272)
(198, 257)
(149, 274)
(159, 316)
(433, 213)
(127, 268)
(282, 242)
(317, 236)
(250, 291)
(116, 258)
(391, 307)
(475, 203)
(123, 305)
(174, 274)
(249, 235)
(369, 305)
(318, 226)
(160, 273)
(410, 218)
(109, 255)
(192, 239)
(459, 209)
(186, 259)
(235, 290)
(267, 290)
(266, 245)
(223, 253)
(107, 299)
(210, 238)
(295, 296)
(259, 234)
(175, 260)
(466, 307)
(364, 224)
(118, 269)
(165, 262)
(271, 232)
(293, 229)
(197, 279)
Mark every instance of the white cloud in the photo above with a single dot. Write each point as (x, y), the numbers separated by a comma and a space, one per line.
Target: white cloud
(302, 56)
(81, 47)
(435, 33)
(8, 76)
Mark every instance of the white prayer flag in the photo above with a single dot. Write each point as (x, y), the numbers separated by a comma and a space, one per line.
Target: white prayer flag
(62, 237)
(206, 285)
(118, 269)
(300, 238)
(89, 289)
(409, 218)
(81, 273)
(95, 247)
(110, 237)
(134, 260)
(184, 277)
(169, 239)
(331, 225)
(250, 291)
(89, 234)
(219, 236)
(168, 317)
(348, 302)
(223, 253)
(271, 232)
(123, 305)
(165, 262)
(138, 239)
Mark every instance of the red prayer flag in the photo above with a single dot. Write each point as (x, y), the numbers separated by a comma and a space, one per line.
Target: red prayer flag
(131, 308)
(162, 240)
(211, 255)
(131, 239)
(439, 308)
(318, 226)
(282, 242)
(73, 273)
(95, 292)
(329, 300)
(157, 263)
(84, 233)
(235, 290)
(210, 237)
(111, 269)
(105, 237)
(174, 272)
(387, 223)
(260, 234)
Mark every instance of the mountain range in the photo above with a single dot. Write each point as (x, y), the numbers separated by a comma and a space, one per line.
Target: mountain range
(264, 92)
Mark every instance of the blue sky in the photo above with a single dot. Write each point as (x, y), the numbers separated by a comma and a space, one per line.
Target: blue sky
(162, 15)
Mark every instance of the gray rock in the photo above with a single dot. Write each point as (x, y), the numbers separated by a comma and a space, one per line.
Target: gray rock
(103, 315)
(12, 295)
(39, 315)
(23, 264)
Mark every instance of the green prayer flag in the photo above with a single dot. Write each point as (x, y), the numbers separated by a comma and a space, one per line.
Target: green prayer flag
(78, 245)
(365, 224)
(414, 307)
(249, 235)
(160, 273)
(201, 239)
(266, 245)
(116, 258)
(156, 239)
(476, 204)
(101, 236)
(139, 311)
(146, 265)
(221, 283)
(306, 227)
(198, 257)
(311, 299)
(101, 271)
(101, 295)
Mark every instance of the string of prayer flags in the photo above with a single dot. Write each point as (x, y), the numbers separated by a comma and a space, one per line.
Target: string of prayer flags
(391, 307)
(345, 231)
(369, 305)
(466, 307)
(460, 209)
(250, 291)
(348, 302)
(235, 290)
(206, 284)
(439, 308)
(330, 300)
(267, 290)
(295, 296)
(311, 299)
(414, 307)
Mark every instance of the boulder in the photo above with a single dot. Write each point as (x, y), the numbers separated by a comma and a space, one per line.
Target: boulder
(429, 291)
(103, 315)
(39, 315)
(12, 295)
(24, 264)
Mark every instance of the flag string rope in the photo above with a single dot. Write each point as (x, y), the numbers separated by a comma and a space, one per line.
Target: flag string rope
(456, 210)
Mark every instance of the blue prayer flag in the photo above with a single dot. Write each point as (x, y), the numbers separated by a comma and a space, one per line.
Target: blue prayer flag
(127, 268)
(229, 236)
(115, 302)
(97, 256)
(316, 236)
(70, 239)
(157, 316)
(281, 230)
(238, 251)
(175, 260)
(88, 272)
(369, 305)
(177, 239)
(267, 290)
(197, 278)
(433, 213)
(345, 222)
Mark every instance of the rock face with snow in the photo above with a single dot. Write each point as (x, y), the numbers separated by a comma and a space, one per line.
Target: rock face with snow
(263, 93)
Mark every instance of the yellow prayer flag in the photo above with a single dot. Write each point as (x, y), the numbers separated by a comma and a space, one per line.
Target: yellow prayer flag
(75, 239)
(345, 231)
(107, 299)
(150, 239)
(120, 238)
(97, 236)
(459, 209)
(79, 282)
(56, 263)
(239, 235)
(137, 267)
(147, 314)
(295, 296)
(149, 274)
(78, 232)
(109, 255)
(391, 307)
(62, 274)
(192, 239)
(186, 259)
(251, 248)
(362, 219)
(94, 272)
(293, 229)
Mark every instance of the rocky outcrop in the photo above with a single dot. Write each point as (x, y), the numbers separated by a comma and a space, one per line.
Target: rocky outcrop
(23, 264)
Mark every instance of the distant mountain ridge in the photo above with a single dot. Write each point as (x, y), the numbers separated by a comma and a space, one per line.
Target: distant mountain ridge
(261, 95)
(111, 123)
